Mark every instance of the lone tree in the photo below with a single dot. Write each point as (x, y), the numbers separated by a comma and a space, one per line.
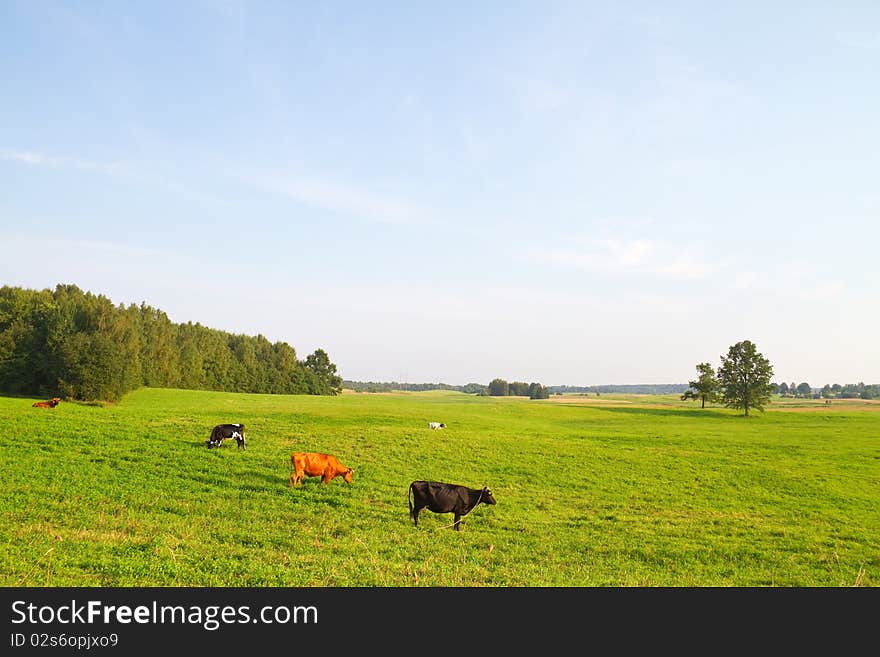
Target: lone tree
(744, 375)
(705, 388)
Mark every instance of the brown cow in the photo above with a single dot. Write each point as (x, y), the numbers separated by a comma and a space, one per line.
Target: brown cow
(313, 464)
(52, 403)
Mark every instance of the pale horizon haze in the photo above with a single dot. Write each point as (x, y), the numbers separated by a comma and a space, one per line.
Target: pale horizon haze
(573, 193)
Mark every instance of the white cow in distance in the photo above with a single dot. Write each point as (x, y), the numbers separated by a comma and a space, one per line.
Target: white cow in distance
(436, 425)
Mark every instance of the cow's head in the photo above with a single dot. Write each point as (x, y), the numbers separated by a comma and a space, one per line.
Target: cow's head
(348, 475)
(55, 401)
(486, 497)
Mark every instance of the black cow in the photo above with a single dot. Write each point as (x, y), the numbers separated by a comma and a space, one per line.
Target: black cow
(445, 498)
(226, 431)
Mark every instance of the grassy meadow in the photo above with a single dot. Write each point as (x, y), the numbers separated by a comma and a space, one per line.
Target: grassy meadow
(607, 491)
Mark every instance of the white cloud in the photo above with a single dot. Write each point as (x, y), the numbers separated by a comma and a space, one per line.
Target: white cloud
(56, 162)
(344, 198)
(616, 256)
(745, 280)
(605, 254)
(823, 292)
(628, 254)
(61, 252)
(123, 171)
(683, 267)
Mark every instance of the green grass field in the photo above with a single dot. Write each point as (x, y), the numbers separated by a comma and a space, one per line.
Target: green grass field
(614, 491)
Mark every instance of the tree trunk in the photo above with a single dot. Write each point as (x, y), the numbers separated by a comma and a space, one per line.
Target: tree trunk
(704, 402)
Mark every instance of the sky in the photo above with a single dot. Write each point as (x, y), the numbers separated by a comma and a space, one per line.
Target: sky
(573, 193)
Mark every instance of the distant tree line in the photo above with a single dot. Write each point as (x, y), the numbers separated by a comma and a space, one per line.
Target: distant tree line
(632, 389)
(392, 386)
(829, 391)
(794, 390)
(496, 388)
(501, 388)
(80, 345)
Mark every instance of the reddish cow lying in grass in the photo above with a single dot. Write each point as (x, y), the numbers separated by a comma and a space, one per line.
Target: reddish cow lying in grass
(52, 403)
(315, 464)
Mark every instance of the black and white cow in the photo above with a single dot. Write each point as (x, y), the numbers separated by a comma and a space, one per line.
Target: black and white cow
(436, 425)
(445, 498)
(225, 432)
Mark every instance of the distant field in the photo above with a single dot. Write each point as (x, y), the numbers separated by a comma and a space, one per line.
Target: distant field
(777, 403)
(610, 491)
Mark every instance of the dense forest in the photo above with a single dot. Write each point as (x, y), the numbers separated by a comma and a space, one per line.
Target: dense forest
(79, 345)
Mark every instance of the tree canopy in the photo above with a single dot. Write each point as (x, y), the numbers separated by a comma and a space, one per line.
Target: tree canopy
(805, 389)
(706, 388)
(80, 345)
(744, 376)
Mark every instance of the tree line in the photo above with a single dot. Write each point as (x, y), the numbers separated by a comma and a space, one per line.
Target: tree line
(391, 386)
(630, 388)
(829, 391)
(496, 388)
(501, 388)
(80, 345)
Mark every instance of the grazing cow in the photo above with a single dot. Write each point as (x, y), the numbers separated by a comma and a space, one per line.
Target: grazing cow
(52, 403)
(436, 425)
(445, 498)
(314, 464)
(226, 431)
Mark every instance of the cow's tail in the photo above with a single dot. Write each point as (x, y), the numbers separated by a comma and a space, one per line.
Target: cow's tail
(409, 499)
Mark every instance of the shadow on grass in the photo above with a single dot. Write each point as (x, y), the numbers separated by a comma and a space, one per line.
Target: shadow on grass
(271, 480)
(714, 413)
(203, 445)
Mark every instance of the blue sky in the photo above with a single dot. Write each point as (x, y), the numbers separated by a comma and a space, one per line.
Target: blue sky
(566, 192)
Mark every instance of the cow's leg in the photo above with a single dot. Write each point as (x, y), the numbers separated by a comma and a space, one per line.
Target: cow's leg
(415, 514)
(457, 521)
